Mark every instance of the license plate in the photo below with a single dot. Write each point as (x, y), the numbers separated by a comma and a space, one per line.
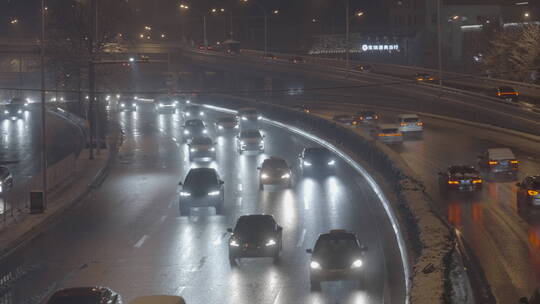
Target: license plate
(465, 182)
(369, 117)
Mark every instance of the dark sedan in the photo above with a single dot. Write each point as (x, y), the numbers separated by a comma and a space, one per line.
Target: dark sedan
(460, 178)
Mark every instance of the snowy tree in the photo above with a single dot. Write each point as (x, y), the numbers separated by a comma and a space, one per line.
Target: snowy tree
(514, 53)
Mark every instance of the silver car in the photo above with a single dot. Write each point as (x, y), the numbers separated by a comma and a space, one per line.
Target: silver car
(250, 140)
(202, 148)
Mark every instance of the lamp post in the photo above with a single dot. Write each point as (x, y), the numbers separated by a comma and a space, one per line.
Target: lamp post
(187, 7)
(265, 14)
(43, 108)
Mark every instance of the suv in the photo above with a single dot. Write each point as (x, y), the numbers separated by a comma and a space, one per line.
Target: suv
(367, 116)
(192, 111)
(506, 93)
(85, 295)
(202, 188)
(165, 105)
(275, 171)
(6, 180)
(227, 123)
(255, 236)
(248, 115)
(337, 256)
(410, 123)
(127, 104)
(498, 160)
(202, 148)
(194, 128)
(13, 111)
(460, 178)
(250, 140)
(528, 191)
(423, 77)
(316, 160)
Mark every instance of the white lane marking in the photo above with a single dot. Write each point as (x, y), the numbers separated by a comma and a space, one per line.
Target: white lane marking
(162, 219)
(141, 241)
(180, 290)
(302, 237)
(276, 299)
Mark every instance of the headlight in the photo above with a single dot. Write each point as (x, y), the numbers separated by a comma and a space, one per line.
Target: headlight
(192, 150)
(264, 176)
(356, 264)
(315, 265)
(285, 176)
(160, 105)
(242, 142)
(184, 193)
(270, 242)
(236, 127)
(220, 127)
(306, 163)
(187, 114)
(204, 131)
(213, 193)
(259, 117)
(186, 132)
(201, 113)
(332, 162)
(134, 105)
(122, 105)
(244, 118)
(212, 149)
(19, 111)
(234, 243)
(175, 103)
(6, 112)
(188, 101)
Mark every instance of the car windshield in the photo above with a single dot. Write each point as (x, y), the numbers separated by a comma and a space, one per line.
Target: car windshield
(249, 112)
(192, 108)
(367, 113)
(536, 182)
(201, 141)
(507, 90)
(275, 163)
(462, 170)
(317, 153)
(410, 119)
(194, 123)
(254, 224)
(331, 246)
(200, 177)
(250, 134)
(82, 299)
(227, 119)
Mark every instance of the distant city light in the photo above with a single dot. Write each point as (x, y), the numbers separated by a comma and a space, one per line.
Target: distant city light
(131, 59)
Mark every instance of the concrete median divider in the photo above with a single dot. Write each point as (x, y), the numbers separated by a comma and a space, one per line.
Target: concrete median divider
(428, 241)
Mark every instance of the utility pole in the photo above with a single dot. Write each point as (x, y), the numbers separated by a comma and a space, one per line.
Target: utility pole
(43, 109)
(439, 38)
(347, 36)
(91, 78)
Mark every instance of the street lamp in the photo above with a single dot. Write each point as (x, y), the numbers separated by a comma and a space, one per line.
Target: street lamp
(526, 14)
(264, 11)
(185, 7)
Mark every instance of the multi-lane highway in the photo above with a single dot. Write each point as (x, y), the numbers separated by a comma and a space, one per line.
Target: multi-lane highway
(504, 239)
(21, 143)
(128, 234)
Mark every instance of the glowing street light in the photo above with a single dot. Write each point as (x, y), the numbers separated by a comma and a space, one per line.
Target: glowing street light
(275, 12)
(526, 15)
(131, 59)
(163, 36)
(359, 14)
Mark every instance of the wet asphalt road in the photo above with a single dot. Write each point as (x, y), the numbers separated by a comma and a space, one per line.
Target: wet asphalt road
(20, 142)
(504, 239)
(128, 234)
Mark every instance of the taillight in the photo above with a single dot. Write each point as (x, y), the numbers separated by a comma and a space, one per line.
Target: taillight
(361, 117)
(514, 162)
(419, 123)
(532, 192)
(493, 162)
(376, 117)
(499, 94)
(453, 182)
(403, 124)
(477, 181)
